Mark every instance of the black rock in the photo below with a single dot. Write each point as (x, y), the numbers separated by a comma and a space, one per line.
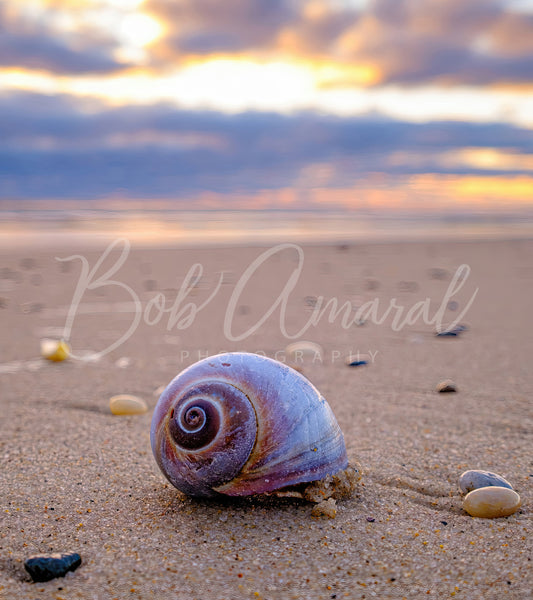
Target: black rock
(357, 363)
(44, 567)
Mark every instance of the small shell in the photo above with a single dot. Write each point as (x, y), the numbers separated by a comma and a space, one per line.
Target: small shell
(472, 480)
(446, 386)
(124, 404)
(55, 350)
(491, 502)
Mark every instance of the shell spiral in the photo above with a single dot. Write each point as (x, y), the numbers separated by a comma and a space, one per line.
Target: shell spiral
(240, 424)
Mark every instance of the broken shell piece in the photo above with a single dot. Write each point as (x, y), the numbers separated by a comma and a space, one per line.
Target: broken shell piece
(297, 350)
(124, 404)
(474, 479)
(446, 386)
(55, 350)
(491, 502)
(340, 485)
(327, 508)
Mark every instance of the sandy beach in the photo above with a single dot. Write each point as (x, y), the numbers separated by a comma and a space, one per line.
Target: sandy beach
(75, 478)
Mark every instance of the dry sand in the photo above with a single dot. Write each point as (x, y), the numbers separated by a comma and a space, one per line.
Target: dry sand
(75, 478)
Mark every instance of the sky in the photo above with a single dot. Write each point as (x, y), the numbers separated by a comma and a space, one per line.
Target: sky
(351, 104)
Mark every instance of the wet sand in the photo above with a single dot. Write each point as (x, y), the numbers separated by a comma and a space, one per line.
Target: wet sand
(75, 478)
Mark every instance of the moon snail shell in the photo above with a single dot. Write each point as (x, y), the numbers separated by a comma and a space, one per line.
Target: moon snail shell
(240, 424)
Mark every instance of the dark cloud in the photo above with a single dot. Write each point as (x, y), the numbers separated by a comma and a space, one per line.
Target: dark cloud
(62, 149)
(443, 41)
(210, 26)
(34, 45)
(409, 42)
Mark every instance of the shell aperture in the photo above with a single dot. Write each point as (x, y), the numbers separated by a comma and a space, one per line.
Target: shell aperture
(240, 424)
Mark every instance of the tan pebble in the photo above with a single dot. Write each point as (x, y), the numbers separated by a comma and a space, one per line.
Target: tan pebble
(327, 508)
(446, 386)
(124, 404)
(55, 350)
(491, 502)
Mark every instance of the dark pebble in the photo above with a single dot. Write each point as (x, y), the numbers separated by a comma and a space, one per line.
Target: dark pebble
(444, 522)
(357, 363)
(438, 273)
(28, 264)
(46, 567)
(370, 519)
(453, 332)
(150, 285)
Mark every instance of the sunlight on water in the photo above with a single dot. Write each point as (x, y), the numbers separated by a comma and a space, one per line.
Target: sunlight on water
(227, 228)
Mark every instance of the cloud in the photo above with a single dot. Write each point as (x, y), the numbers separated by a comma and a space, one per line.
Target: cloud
(444, 41)
(407, 42)
(35, 43)
(210, 26)
(57, 147)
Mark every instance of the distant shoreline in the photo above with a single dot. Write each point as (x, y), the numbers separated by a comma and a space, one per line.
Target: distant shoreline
(30, 227)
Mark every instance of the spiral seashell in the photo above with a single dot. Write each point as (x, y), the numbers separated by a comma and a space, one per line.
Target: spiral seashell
(240, 424)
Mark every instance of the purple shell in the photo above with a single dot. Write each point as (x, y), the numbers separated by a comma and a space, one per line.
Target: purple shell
(240, 424)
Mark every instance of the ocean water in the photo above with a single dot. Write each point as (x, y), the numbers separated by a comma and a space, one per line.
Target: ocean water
(38, 227)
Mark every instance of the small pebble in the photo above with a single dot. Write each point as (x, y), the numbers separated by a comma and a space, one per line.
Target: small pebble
(371, 284)
(357, 360)
(44, 567)
(438, 273)
(446, 386)
(326, 508)
(124, 404)
(150, 285)
(123, 363)
(408, 286)
(491, 502)
(474, 479)
(28, 263)
(370, 519)
(55, 350)
(453, 332)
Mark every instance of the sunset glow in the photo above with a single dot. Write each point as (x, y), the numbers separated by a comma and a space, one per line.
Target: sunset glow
(461, 113)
